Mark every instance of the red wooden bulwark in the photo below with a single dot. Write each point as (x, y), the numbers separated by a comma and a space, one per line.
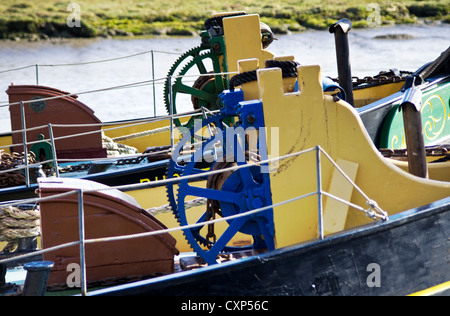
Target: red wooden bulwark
(65, 110)
(108, 213)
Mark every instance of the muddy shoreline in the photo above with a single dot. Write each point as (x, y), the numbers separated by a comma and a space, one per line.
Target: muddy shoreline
(23, 21)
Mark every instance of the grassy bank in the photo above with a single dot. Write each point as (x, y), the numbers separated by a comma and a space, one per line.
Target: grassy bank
(42, 19)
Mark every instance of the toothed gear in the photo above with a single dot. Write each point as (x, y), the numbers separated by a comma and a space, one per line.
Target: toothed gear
(204, 93)
(177, 168)
(242, 190)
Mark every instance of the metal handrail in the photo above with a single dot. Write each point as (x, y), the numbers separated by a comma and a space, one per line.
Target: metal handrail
(374, 211)
(52, 139)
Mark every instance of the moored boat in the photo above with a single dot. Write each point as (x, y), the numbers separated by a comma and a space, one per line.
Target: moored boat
(343, 252)
(377, 230)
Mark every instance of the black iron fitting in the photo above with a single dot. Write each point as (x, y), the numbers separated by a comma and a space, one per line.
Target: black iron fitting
(412, 93)
(344, 24)
(340, 30)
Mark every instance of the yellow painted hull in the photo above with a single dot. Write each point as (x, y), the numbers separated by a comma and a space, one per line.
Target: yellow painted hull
(436, 171)
(6, 140)
(369, 95)
(435, 290)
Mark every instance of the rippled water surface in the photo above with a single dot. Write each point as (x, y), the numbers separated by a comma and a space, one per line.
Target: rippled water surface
(369, 55)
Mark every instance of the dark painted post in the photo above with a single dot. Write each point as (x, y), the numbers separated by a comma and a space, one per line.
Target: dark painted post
(340, 30)
(37, 277)
(412, 120)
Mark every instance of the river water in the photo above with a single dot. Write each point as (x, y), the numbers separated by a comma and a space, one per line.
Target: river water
(369, 55)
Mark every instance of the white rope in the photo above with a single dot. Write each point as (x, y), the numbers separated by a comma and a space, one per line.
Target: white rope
(369, 212)
(128, 85)
(142, 134)
(16, 224)
(154, 211)
(374, 209)
(89, 62)
(127, 124)
(124, 86)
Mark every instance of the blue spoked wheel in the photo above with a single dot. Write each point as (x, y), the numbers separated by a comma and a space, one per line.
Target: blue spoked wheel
(239, 191)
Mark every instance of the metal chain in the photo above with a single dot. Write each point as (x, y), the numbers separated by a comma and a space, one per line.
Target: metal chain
(384, 77)
(434, 151)
(211, 237)
(378, 80)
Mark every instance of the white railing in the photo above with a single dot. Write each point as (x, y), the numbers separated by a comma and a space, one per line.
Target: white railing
(151, 52)
(373, 211)
(129, 123)
(154, 81)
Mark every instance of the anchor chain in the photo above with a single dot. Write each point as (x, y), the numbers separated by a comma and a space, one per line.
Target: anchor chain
(384, 77)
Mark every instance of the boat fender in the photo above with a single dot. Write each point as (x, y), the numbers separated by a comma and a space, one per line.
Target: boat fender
(328, 86)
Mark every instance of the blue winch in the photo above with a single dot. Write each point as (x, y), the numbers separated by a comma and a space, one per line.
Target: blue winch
(244, 188)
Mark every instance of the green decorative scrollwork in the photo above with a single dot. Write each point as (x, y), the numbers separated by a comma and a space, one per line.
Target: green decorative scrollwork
(435, 120)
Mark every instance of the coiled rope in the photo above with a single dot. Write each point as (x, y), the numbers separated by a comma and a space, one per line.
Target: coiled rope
(9, 162)
(17, 223)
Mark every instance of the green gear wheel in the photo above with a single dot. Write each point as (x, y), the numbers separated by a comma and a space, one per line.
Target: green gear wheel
(204, 91)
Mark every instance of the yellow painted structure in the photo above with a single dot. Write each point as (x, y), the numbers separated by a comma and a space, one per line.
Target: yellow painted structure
(242, 37)
(6, 140)
(308, 119)
(302, 120)
(435, 290)
(155, 133)
(436, 171)
(335, 212)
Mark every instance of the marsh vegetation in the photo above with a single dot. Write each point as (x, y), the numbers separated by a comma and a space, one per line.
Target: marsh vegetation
(43, 19)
